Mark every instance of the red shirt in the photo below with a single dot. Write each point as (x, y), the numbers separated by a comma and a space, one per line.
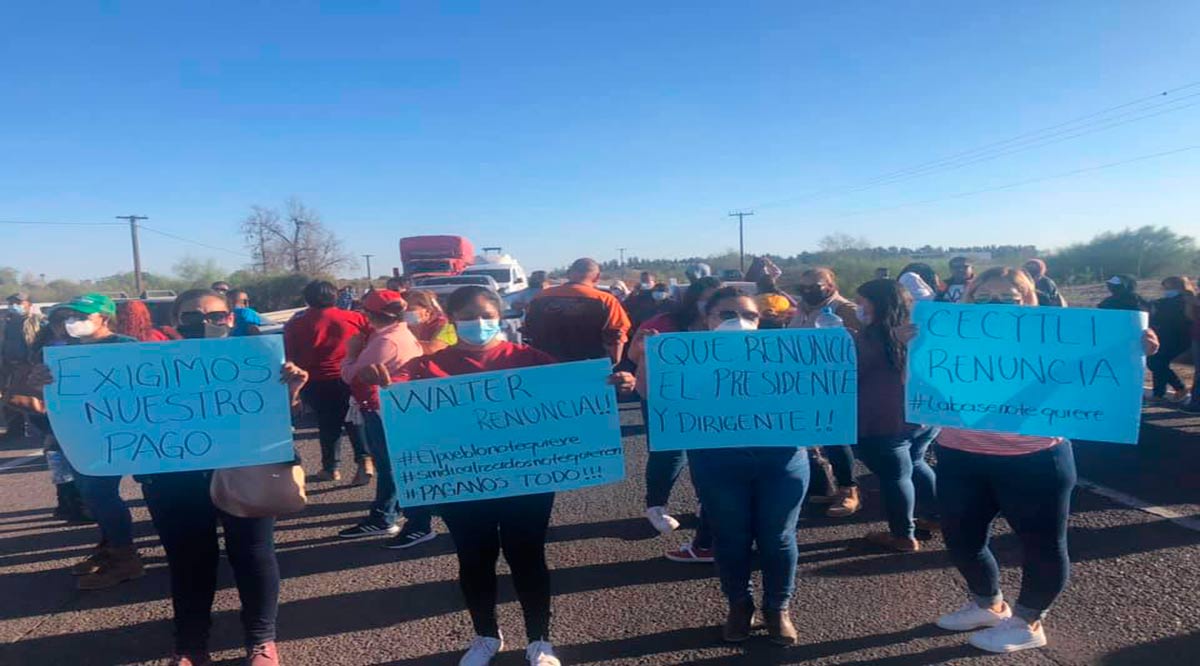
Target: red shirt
(316, 340)
(455, 360)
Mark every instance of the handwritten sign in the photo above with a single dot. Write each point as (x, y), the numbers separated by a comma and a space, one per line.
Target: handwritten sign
(1056, 372)
(143, 408)
(505, 433)
(787, 387)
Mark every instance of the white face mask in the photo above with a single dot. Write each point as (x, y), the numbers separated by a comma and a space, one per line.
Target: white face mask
(411, 318)
(16, 308)
(81, 328)
(659, 295)
(862, 315)
(647, 286)
(737, 324)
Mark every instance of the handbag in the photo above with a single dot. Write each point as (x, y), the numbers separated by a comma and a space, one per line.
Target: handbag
(259, 491)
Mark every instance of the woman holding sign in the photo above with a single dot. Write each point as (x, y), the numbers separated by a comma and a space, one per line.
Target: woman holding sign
(664, 467)
(1027, 480)
(482, 528)
(891, 447)
(752, 496)
(186, 520)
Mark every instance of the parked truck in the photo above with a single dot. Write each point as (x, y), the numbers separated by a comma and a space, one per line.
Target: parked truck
(427, 256)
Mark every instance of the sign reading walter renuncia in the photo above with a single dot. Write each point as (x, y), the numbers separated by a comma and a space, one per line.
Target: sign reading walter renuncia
(1057, 372)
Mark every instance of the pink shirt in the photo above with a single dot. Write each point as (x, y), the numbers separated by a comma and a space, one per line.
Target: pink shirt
(994, 443)
(393, 346)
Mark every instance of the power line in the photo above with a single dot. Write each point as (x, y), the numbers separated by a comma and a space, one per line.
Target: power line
(1079, 126)
(194, 242)
(1018, 183)
(61, 224)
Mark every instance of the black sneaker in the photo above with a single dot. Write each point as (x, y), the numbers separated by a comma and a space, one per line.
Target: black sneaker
(369, 529)
(410, 537)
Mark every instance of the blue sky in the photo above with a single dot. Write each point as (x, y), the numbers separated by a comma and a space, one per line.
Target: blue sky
(561, 129)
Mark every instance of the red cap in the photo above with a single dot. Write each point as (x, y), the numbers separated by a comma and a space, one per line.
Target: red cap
(385, 302)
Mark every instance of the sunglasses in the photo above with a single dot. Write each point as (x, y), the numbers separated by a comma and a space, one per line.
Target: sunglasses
(192, 318)
(996, 300)
(726, 315)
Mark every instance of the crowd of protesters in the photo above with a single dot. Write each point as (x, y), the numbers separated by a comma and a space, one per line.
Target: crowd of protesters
(342, 348)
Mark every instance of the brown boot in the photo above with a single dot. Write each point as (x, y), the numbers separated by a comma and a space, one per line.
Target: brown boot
(898, 544)
(738, 622)
(846, 504)
(90, 564)
(366, 472)
(780, 629)
(122, 564)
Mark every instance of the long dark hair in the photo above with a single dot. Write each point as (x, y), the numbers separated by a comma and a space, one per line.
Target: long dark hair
(893, 311)
(686, 313)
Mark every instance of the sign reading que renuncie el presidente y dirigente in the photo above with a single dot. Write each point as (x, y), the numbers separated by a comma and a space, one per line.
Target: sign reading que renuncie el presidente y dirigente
(784, 387)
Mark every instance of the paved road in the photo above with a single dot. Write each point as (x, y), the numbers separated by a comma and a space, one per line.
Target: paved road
(1133, 598)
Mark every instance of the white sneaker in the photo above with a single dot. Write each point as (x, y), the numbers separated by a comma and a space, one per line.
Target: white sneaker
(541, 653)
(971, 616)
(1011, 635)
(481, 650)
(661, 520)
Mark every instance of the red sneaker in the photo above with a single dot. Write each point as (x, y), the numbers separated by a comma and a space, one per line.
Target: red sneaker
(263, 655)
(689, 553)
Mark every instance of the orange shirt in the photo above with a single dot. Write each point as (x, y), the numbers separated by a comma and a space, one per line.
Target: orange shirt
(574, 322)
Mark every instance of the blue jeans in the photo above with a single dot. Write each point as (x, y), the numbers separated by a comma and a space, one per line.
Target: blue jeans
(102, 496)
(186, 521)
(753, 496)
(662, 471)
(386, 506)
(841, 459)
(1033, 493)
(906, 481)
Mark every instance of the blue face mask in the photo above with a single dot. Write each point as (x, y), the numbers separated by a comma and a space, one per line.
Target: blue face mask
(1171, 293)
(477, 332)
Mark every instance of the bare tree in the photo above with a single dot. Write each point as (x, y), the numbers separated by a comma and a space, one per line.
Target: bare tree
(295, 240)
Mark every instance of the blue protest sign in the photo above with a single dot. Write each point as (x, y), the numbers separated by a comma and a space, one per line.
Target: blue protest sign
(1057, 372)
(143, 408)
(499, 434)
(785, 387)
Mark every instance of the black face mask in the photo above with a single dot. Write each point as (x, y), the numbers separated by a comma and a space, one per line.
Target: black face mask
(203, 330)
(814, 295)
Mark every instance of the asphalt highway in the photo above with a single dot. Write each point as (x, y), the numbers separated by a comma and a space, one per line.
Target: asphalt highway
(1132, 599)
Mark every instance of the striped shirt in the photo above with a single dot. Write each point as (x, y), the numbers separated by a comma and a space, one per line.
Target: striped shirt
(994, 443)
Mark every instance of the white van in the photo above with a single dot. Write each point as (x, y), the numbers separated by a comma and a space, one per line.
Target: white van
(506, 271)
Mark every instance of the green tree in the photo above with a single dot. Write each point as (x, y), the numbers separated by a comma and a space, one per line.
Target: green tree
(198, 273)
(1143, 252)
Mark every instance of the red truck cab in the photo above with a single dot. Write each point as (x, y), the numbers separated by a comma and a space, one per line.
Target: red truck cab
(428, 256)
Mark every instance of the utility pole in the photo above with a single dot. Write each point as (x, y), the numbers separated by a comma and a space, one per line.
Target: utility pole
(137, 253)
(740, 215)
(621, 261)
(368, 258)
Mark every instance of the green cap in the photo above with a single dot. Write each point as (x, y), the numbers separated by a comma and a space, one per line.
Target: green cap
(90, 304)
